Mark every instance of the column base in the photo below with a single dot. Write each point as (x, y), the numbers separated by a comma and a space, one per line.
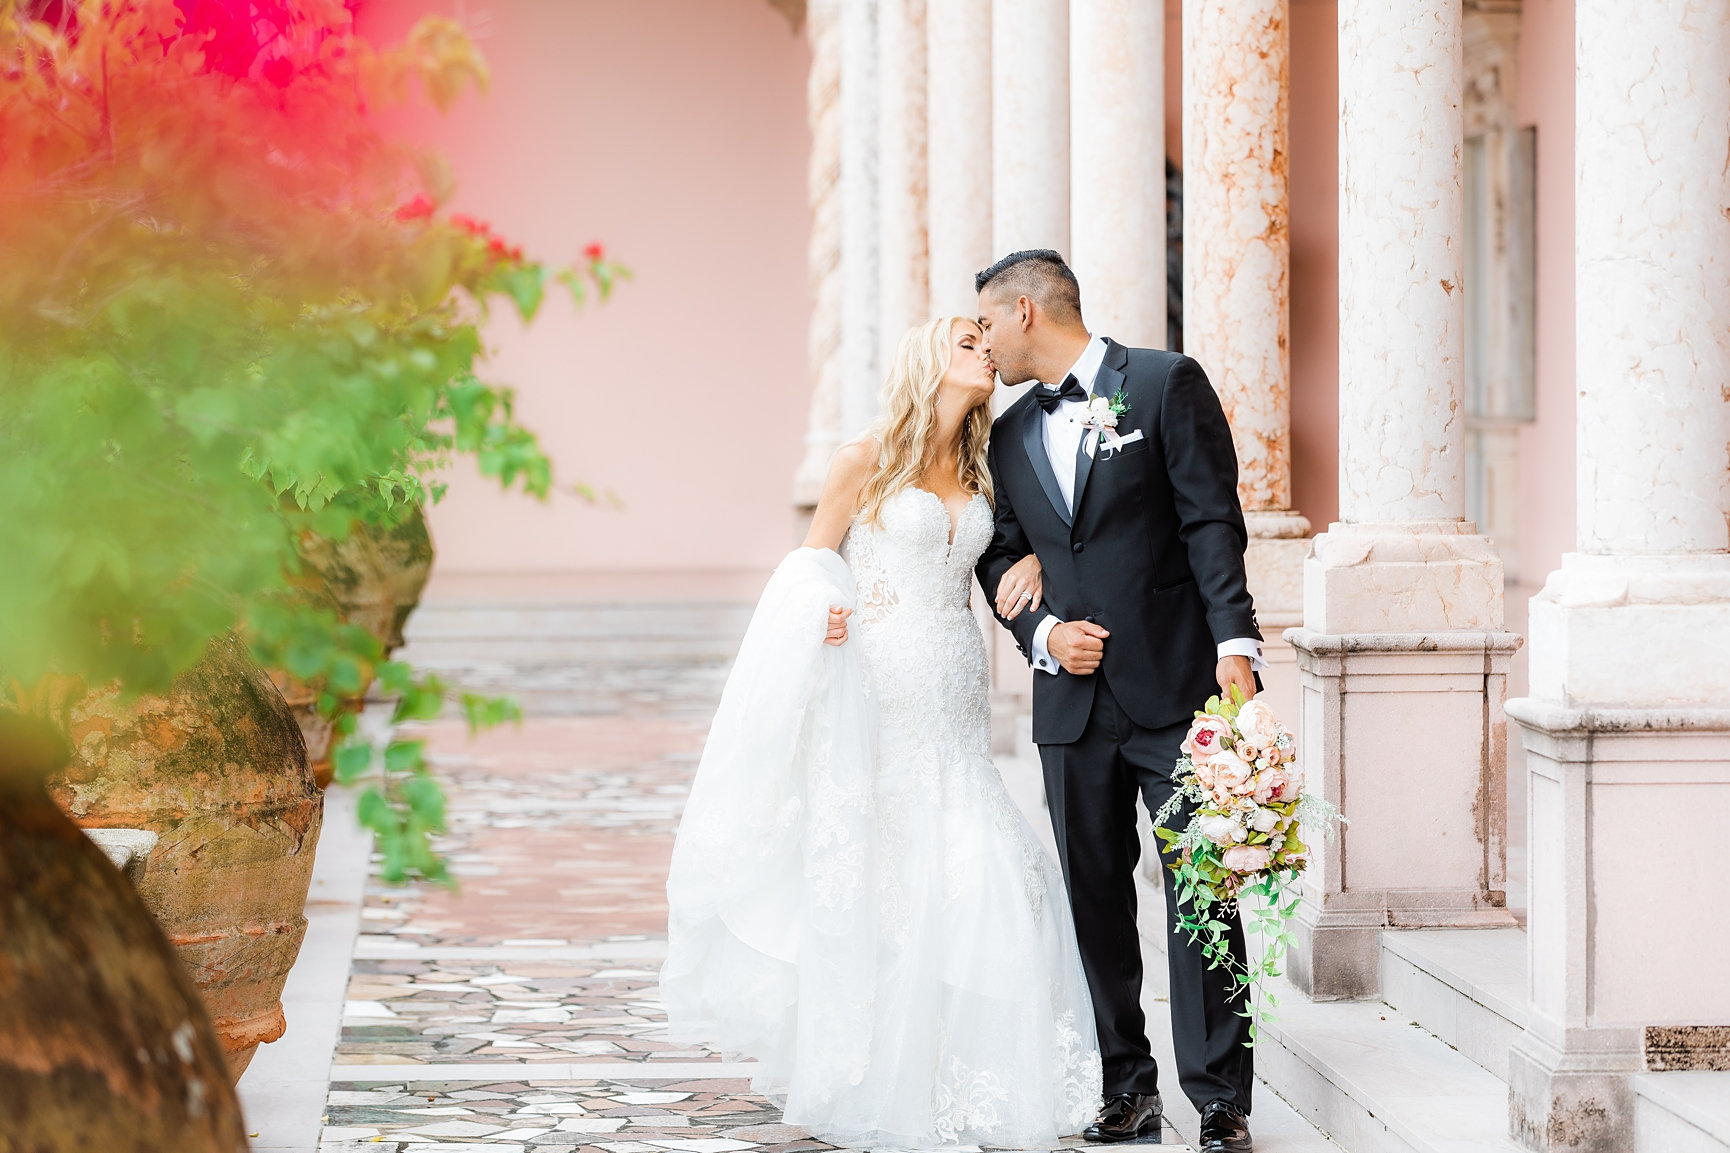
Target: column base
(1405, 732)
(1405, 577)
(1337, 937)
(1605, 787)
(1576, 1097)
(1274, 563)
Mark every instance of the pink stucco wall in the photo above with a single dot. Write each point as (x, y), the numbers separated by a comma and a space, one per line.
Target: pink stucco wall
(674, 131)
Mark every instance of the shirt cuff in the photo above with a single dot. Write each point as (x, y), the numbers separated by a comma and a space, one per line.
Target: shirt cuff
(1042, 655)
(1244, 647)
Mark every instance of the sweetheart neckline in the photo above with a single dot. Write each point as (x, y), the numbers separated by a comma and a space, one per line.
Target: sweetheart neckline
(954, 519)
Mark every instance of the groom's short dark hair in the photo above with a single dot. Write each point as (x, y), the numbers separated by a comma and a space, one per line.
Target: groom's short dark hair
(1038, 273)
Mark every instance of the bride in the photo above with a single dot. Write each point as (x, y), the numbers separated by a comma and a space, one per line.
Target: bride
(854, 899)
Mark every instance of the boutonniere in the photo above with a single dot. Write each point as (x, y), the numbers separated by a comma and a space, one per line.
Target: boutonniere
(1101, 416)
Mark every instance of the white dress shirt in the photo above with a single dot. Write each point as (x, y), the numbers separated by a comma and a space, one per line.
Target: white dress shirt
(1062, 434)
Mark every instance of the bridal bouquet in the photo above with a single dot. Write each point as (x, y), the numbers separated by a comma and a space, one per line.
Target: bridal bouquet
(1244, 839)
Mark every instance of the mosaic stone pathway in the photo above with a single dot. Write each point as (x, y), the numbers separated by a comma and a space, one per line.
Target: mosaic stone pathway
(521, 1012)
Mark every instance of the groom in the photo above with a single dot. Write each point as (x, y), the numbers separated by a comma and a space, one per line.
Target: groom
(1145, 614)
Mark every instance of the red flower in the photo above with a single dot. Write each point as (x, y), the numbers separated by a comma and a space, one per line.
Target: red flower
(472, 226)
(420, 208)
(595, 251)
(278, 71)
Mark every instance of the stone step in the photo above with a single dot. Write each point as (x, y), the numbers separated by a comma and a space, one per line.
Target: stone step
(1682, 1112)
(1376, 1083)
(1465, 986)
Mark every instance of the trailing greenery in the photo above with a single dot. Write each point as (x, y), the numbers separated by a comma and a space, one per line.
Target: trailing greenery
(233, 318)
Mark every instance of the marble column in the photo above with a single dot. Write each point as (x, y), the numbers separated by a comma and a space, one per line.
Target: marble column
(1627, 727)
(958, 135)
(1030, 125)
(823, 260)
(1402, 656)
(1117, 166)
(1237, 285)
(860, 373)
(903, 254)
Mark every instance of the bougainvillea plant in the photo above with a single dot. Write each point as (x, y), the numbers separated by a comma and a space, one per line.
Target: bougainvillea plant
(233, 314)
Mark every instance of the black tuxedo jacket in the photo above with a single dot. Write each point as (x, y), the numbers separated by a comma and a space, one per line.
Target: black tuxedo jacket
(1153, 552)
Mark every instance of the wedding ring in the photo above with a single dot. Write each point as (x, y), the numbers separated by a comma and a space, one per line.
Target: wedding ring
(1026, 596)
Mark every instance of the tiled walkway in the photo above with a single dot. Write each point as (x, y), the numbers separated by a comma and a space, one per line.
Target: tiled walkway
(521, 1012)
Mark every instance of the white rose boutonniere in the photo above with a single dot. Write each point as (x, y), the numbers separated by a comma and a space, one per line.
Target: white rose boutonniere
(1100, 417)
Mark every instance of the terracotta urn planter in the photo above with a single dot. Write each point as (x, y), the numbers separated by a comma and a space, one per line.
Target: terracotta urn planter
(374, 580)
(103, 1041)
(217, 769)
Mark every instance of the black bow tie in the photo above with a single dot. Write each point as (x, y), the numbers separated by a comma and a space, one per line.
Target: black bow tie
(1049, 398)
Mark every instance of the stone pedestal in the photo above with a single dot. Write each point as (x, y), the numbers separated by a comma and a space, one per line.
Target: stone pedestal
(1619, 796)
(1611, 912)
(1405, 733)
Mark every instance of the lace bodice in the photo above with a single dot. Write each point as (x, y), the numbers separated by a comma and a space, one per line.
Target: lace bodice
(909, 558)
(921, 648)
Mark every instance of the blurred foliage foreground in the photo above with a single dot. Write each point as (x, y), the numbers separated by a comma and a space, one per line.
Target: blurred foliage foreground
(233, 320)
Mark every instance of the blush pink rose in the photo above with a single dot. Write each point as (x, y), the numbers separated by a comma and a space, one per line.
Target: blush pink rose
(1206, 738)
(1246, 858)
(1230, 772)
(1258, 725)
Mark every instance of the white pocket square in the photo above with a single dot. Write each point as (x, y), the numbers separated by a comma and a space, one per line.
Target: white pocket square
(1123, 440)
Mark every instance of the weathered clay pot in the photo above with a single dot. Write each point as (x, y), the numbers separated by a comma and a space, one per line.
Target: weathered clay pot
(217, 769)
(103, 1041)
(374, 580)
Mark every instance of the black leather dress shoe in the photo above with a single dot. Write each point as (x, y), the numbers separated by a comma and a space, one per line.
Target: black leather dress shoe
(1126, 1117)
(1224, 1129)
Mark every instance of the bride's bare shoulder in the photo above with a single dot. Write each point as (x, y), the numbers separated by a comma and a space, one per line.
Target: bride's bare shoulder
(856, 458)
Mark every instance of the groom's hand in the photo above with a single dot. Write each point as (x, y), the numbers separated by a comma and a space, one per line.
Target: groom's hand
(1234, 671)
(1078, 646)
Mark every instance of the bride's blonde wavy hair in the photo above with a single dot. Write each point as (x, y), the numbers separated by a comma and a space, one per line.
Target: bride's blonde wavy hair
(906, 424)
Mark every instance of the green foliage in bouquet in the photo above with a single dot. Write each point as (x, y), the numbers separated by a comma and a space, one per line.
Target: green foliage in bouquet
(232, 320)
(1241, 851)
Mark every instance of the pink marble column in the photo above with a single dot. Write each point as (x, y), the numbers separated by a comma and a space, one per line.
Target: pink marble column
(1402, 657)
(958, 135)
(1237, 284)
(823, 111)
(1030, 125)
(1117, 166)
(1626, 728)
(903, 247)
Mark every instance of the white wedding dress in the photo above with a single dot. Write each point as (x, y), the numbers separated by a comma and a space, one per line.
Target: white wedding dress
(854, 899)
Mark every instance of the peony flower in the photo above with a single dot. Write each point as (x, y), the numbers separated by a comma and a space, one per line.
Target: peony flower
(1220, 828)
(1268, 783)
(1264, 821)
(1230, 772)
(1258, 725)
(1292, 783)
(1206, 738)
(1246, 858)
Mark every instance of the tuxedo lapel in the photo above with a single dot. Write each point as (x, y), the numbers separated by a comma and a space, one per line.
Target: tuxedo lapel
(1106, 384)
(1034, 442)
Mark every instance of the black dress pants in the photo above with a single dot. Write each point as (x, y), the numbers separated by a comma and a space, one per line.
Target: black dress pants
(1090, 785)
